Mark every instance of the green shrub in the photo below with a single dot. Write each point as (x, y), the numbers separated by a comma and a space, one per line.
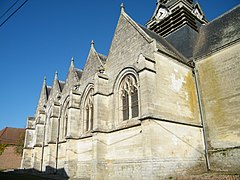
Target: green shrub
(20, 144)
(2, 148)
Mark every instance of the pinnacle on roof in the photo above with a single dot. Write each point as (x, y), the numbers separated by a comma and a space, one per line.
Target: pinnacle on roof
(45, 80)
(92, 43)
(122, 7)
(56, 75)
(44, 94)
(72, 62)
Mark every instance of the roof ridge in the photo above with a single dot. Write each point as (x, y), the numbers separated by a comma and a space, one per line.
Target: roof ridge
(3, 131)
(11, 135)
(220, 16)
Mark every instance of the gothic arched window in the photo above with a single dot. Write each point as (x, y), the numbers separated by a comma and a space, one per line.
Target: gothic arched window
(88, 110)
(129, 98)
(64, 122)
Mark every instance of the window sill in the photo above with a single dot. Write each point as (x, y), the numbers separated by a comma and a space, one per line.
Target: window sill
(128, 123)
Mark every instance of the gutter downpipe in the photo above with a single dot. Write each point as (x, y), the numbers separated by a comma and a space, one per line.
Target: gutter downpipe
(201, 115)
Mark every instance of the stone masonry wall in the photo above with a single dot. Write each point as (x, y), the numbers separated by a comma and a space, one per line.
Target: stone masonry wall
(148, 151)
(220, 86)
(175, 89)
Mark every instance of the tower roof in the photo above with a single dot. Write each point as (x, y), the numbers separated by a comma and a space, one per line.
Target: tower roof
(170, 15)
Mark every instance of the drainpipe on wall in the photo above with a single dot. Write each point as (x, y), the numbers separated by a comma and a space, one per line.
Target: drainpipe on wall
(201, 115)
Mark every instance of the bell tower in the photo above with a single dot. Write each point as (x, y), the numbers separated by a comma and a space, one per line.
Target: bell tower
(171, 15)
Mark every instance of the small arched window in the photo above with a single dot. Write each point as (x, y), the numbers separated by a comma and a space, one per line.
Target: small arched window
(64, 122)
(88, 110)
(129, 98)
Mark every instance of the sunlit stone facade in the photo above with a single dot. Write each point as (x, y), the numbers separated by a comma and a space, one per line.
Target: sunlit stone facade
(164, 102)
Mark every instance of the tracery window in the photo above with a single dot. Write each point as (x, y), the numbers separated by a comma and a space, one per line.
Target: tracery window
(89, 109)
(129, 98)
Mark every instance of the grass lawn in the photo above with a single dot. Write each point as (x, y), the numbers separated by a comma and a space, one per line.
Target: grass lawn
(13, 176)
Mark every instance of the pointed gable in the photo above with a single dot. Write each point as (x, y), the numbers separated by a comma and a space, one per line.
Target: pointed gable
(130, 40)
(56, 88)
(44, 95)
(73, 77)
(93, 63)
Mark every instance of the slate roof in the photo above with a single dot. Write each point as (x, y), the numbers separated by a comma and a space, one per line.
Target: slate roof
(102, 58)
(164, 44)
(213, 36)
(78, 72)
(192, 42)
(61, 85)
(11, 135)
(184, 40)
(48, 90)
(218, 33)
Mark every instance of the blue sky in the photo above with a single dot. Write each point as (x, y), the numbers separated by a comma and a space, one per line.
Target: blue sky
(43, 36)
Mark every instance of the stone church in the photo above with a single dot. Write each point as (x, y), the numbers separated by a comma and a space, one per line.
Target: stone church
(165, 101)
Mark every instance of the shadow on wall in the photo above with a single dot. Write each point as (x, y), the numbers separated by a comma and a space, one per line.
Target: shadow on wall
(50, 173)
